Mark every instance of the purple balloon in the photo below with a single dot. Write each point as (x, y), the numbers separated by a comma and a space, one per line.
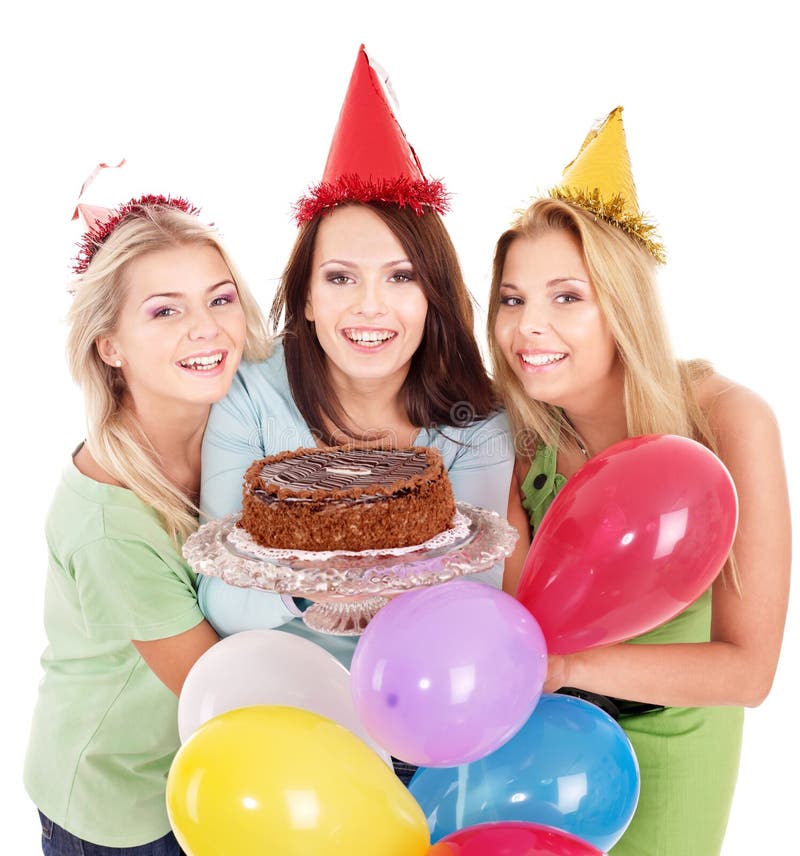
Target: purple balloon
(445, 675)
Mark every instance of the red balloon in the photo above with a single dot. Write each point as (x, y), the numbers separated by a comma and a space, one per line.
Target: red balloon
(635, 536)
(511, 838)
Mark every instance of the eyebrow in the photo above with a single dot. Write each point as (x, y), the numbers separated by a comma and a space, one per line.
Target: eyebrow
(346, 263)
(562, 279)
(171, 295)
(553, 283)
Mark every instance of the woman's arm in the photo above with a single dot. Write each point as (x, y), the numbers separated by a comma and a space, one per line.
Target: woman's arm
(171, 658)
(737, 666)
(136, 586)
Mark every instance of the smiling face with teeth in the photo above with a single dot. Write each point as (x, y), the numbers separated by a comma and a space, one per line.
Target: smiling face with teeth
(181, 328)
(550, 327)
(364, 299)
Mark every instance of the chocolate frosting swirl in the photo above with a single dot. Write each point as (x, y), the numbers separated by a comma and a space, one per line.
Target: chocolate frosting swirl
(344, 470)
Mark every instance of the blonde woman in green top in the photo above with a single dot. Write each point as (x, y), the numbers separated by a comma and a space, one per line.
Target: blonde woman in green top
(583, 360)
(159, 323)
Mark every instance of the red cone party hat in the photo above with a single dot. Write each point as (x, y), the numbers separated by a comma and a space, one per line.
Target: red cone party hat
(370, 159)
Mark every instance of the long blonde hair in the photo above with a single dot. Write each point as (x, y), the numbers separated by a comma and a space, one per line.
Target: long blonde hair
(114, 438)
(658, 389)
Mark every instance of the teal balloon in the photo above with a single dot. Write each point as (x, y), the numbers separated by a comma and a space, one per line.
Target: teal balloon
(571, 766)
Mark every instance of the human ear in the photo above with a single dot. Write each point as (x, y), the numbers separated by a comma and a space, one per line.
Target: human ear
(108, 351)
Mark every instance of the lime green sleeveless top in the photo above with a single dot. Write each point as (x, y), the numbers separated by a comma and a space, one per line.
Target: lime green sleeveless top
(688, 756)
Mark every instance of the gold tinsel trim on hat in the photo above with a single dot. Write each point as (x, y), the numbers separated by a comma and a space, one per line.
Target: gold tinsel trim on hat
(613, 211)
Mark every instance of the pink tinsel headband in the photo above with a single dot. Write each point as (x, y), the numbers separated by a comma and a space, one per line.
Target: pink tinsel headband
(94, 237)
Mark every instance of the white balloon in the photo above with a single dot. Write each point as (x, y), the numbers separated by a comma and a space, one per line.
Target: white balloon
(268, 667)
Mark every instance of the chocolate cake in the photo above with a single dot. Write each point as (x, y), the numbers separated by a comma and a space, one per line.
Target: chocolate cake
(345, 498)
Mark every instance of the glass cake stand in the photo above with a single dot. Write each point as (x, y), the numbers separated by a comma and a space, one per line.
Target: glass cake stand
(348, 589)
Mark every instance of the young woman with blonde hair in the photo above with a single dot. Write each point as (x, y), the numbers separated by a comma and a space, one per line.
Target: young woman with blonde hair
(582, 356)
(159, 322)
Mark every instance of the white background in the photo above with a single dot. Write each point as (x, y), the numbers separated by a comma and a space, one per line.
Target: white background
(234, 105)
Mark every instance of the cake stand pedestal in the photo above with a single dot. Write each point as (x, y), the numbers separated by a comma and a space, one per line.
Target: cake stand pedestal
(348, 589)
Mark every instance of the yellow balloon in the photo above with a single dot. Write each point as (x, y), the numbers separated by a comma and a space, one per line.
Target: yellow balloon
(280, 781)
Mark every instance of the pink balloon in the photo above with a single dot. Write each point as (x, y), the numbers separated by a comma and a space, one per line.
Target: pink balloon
(635, 536)
(511, 839)
(445, 675)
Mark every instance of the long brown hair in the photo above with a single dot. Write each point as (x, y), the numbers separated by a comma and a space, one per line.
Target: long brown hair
(447, 384)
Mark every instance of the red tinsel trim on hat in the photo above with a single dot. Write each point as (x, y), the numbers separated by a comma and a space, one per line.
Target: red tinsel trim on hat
(93, 239)
(418, 195)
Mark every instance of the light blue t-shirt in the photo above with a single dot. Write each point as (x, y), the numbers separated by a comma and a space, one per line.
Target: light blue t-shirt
(259, 418)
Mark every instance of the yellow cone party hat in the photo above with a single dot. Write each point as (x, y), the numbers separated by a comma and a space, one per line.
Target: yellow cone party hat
(600, 180)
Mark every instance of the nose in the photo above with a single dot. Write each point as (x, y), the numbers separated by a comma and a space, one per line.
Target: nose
(370, 299)
(203, 324)
(533, 319)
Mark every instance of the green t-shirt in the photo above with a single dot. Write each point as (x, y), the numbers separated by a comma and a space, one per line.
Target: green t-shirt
(105, 728)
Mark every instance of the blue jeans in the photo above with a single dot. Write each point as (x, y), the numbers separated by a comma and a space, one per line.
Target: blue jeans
(58, 842)
(403, 770)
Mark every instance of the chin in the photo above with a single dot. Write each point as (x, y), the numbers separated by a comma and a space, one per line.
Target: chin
(370, 367)
(209, 396)
(539, 393)
(378, 373)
